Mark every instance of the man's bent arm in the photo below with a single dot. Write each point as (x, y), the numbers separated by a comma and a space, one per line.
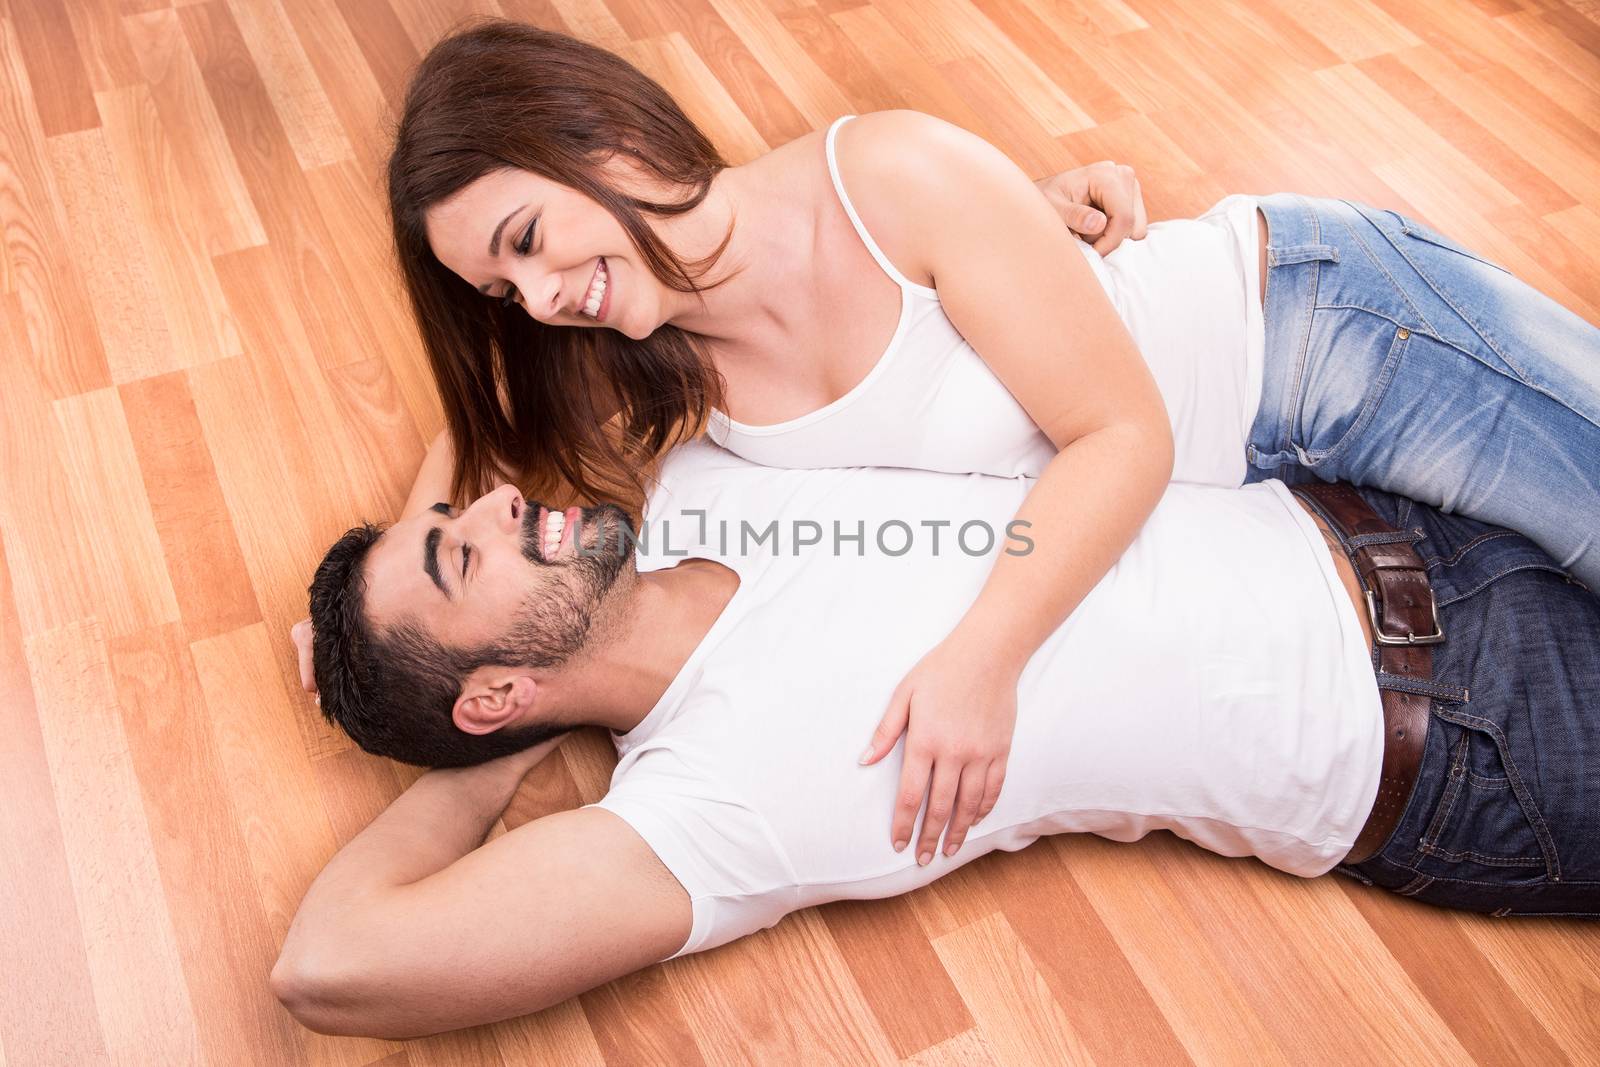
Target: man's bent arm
(412, 928)
(445, 814)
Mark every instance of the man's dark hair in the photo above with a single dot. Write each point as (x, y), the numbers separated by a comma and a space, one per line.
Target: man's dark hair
(394, 691)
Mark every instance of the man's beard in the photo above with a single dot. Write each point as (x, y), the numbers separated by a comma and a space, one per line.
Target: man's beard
(555, 625)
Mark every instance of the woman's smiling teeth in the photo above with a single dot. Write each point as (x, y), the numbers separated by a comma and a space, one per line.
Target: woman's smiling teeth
(597, 291)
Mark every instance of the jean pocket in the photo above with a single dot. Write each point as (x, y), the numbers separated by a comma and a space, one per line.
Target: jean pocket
(1486, 826)
(1352, 359)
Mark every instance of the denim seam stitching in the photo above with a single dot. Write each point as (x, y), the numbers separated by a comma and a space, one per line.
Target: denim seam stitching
(1478, 857)
(1519, 789)
(1382, 267)
(1447, 802)
(1288, 415)
(1518, 374)
(1476, 884)
(1525, 565)
(1561, 914)
(1455, 346)
(1450, 303)
(1416, 885)
(1458, 553)
(1380, 314)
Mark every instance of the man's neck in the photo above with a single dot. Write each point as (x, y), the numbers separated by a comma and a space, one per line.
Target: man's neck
(622, 678)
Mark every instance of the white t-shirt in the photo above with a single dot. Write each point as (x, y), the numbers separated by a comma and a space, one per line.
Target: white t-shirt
(1215, 683)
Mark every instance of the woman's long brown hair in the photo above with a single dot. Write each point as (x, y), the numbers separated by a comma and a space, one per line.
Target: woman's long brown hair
(564, 408)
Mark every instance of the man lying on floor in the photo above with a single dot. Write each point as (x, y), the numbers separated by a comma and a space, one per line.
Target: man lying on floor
(1219, 682)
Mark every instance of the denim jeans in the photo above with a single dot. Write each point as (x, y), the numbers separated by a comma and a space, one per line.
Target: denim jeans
(1396, 358)
(1505, 815)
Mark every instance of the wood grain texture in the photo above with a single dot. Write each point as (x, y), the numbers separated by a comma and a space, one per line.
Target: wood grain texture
(210, 372)
(35, 263)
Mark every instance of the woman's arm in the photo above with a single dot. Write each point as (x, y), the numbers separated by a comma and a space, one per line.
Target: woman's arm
(432, 484)
(1025, 299)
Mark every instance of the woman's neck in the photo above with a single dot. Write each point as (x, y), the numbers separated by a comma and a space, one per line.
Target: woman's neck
(771, 249)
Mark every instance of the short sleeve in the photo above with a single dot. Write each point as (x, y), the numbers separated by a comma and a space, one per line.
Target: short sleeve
(720, 850)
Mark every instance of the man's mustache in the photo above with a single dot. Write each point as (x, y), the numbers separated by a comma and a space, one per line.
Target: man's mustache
(533, 532)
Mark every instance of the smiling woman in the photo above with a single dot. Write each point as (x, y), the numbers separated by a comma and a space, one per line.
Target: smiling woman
(505, 229)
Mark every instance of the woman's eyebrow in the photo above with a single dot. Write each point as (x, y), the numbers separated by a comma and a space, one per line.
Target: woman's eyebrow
(494, 240)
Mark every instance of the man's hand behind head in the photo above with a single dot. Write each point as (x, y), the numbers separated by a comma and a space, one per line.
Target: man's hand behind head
(301, 634)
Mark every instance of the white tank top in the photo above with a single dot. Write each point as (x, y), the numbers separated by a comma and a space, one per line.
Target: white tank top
(1188, 293)
(1215, 683)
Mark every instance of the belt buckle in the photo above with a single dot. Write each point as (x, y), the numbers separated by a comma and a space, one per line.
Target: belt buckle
(1383, 637)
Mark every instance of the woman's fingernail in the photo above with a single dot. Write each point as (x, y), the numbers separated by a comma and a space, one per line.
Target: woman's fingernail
(950, 849)
(898, 845)
(922, 860)
(866, 754)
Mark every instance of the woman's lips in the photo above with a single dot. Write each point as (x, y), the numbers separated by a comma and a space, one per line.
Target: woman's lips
(605, 301)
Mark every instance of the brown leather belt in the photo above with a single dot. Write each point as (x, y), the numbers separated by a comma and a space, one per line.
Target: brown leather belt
(1405, 626)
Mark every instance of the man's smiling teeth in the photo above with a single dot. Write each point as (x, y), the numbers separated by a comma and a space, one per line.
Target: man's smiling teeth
(597, 290)
(554, 523)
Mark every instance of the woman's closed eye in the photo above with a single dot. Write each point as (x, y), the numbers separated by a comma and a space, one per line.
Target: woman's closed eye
(523, 243)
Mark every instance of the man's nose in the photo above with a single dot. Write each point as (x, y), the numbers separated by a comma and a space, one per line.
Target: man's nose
(498, 510)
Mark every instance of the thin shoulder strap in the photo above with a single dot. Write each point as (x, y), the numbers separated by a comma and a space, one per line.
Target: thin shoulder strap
(855, 220)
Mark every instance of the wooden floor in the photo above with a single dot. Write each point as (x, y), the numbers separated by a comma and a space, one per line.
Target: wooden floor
(209, 373)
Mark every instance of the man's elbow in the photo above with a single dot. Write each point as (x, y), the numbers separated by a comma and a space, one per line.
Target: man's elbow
(303, 994)
(317, 998)
(344, 1003)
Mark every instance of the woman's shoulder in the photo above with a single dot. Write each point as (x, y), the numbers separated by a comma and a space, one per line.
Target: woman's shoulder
(901, 168)
(901, 128)
(899, 146)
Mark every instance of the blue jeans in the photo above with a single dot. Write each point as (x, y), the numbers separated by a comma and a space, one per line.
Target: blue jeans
(1505, 816)
(1396, 358)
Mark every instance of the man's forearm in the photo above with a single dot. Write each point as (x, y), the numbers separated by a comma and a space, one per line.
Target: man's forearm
(443, 816)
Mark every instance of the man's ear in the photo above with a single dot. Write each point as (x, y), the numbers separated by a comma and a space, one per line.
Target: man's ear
(493, 698)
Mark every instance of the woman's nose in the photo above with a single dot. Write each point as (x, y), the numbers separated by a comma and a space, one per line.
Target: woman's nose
(541, 294)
